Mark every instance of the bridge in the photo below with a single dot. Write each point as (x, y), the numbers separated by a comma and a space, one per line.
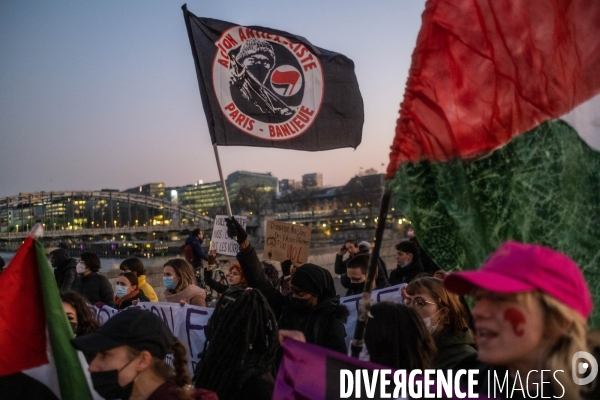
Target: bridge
(91, 213)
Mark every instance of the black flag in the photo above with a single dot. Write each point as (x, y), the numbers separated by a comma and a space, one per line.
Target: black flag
(267, 88)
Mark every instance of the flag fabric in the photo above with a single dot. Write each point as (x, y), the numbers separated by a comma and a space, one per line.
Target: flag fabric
(35, 334)
(268, 88)
(479, 156)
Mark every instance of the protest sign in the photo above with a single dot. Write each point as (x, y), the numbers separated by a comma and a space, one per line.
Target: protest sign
(186, 322)
(285, 241)
(220, 241)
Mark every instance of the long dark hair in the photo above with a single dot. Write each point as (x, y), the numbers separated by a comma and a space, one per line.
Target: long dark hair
(85, 321)
(133, 264)
(241, 335)
(396, 337)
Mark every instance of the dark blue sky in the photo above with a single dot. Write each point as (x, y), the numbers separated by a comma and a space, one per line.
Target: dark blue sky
(104, 94)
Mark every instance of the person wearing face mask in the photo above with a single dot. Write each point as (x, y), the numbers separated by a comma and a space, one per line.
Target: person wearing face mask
(180, 283)
(312, 307)
(126, 291)
(65, 272)
(357, 270)
(78, 313)
(530, 312)
(235, 277)
(94, 287)
(129, 363)
(444, 318)
(136, 266)
(408, 264)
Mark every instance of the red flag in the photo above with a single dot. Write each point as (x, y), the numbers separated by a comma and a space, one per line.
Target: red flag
(21, 317)
(484, 71)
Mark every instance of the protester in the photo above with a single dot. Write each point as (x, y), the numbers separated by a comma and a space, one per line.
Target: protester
(240, 348)
(364, 247)
(312, 307)
(351, 248)
(78, 313)
(357, 270)
(127, 292)
(235, 277)
(272, 274)
(428, 264)
(192, 249)
(65, 273)
(180, 284)
(131, 348)
(135, 265)
(408, 264)
(444, 318)
(397, 338)
(93, 286)
(531, 307)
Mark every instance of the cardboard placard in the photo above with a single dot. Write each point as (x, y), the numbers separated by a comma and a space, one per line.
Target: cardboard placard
(285, 241)
(220, 241)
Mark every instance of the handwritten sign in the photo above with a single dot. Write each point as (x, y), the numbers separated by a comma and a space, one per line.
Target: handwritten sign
(220, 241)
(285, 241)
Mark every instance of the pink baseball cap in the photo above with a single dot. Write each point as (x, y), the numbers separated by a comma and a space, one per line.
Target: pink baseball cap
(516, 267)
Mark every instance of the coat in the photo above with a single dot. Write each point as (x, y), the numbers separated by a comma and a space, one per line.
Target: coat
(406, 274)
(451, 350)
(146, 288)
(323, 326)
(96, 288)
(65, 273)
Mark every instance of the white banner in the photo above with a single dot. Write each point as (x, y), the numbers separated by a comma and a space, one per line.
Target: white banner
(188, 322)
(220, 241)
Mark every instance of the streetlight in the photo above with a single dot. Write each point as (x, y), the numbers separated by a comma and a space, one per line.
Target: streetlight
(115, 221)
(17, 228)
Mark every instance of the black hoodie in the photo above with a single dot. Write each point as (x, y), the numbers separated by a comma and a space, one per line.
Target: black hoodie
(65, 272)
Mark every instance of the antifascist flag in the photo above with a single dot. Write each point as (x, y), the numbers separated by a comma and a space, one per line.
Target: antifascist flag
(479, 156)
(267, 88)
(37, 359)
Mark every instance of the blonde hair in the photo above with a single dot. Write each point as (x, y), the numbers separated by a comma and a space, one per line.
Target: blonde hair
(566, 335)
(184, 270)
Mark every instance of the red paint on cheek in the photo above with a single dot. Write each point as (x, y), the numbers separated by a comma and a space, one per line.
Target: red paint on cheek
(515, 318)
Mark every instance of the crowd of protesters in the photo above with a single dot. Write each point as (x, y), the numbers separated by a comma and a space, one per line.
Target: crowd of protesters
(529, 307)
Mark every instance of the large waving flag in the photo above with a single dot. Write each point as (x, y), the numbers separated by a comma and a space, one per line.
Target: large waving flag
(268, 88)
(479, 156)
(37, 359)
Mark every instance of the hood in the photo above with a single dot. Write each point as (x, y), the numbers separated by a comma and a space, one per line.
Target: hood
(338, 310)
(61, 258)
(463, 338)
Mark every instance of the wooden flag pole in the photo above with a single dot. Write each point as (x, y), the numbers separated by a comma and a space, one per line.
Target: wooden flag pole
(215, 147)
(364, 305)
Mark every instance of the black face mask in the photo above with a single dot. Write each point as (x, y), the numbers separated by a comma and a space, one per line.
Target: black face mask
(106, 383)
(357, 287)
(299, 305)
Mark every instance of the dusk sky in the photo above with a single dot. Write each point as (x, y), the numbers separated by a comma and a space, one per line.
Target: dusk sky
(104, 94)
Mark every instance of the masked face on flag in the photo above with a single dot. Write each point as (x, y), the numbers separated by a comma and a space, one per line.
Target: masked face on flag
(263, 87)
(264, 81)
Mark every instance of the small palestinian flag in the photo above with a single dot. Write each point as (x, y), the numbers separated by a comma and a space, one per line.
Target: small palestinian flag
(480, 156)
(37, 360)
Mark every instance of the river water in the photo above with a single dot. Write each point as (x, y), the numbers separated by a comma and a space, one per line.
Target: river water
(112, 263)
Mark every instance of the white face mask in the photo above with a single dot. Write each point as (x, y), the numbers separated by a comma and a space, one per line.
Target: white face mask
(404, 264)
(79, 268)
(431, 328)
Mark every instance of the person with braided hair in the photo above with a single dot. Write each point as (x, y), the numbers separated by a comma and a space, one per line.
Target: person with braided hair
(131, 348)
(240, 347)
(312, 307)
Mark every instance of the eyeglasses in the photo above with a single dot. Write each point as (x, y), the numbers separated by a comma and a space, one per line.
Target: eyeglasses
(417, 302)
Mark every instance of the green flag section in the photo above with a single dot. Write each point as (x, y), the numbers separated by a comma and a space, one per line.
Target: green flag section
(542, 187)
(34, 331)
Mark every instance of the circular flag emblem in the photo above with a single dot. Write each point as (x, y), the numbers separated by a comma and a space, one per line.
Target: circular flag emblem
(267, 86)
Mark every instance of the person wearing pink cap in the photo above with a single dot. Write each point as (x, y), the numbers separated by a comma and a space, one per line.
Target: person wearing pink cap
(530, 312)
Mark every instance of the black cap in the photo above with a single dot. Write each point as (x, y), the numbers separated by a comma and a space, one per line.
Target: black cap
(134, 327)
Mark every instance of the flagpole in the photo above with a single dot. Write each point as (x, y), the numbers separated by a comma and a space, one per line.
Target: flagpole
(364, 305)
(215, 147)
